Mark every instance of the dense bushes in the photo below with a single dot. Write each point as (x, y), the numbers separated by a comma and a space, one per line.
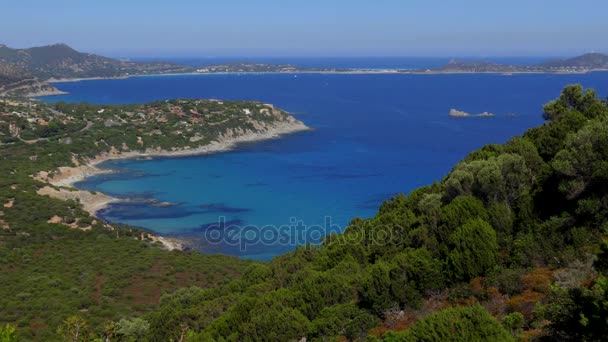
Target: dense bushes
(469, 324)
(473, 251)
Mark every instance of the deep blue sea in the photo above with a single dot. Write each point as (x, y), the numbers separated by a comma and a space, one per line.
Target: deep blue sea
(374, 136)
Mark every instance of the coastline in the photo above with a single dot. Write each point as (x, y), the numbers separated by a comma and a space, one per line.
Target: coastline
(39, 88)
(61, 181)
(334, 72)
(70, 175)
(55, 91)
(66, 80)
(41, 93)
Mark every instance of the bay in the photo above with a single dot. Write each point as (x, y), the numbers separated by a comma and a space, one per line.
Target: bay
(374, 136)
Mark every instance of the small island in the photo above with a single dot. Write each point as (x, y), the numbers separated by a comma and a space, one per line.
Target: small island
(460, 114)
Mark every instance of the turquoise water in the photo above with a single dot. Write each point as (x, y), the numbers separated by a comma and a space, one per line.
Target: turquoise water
(374, 136)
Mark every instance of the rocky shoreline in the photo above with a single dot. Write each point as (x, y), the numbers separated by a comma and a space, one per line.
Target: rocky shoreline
(32, 88)
(50, 92)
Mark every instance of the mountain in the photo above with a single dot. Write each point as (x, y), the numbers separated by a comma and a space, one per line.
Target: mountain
(588, 61)
(61, 61)
(584, 63)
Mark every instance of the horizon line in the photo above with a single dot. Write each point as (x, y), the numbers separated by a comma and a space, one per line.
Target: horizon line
(206, 55)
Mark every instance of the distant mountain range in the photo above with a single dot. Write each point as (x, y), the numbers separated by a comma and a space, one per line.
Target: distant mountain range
(584, 63)
(27, 71)
(58, 61)
(61, 61)
(587, 61)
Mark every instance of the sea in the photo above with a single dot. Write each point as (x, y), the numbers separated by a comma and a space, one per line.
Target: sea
(373, 136)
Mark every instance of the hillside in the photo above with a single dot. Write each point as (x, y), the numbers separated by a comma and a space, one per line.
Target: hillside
(58, 261)
(61, 61)
(584, 63)
(587, 61)
(510, 245)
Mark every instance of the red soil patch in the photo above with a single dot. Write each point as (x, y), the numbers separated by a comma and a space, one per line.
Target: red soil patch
(183, 279)
(37, 325)
(146, 288)
(100, 279)
(407, 318)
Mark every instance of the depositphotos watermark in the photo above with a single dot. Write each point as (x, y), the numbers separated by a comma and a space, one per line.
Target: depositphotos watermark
(231, 233)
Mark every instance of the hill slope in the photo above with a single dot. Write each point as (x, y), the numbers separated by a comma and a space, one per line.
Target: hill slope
(584, 63)
(56, 260)
(519, 229)
(61, 61)
(588, 61)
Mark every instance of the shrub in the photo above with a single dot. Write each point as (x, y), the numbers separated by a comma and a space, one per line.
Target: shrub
(466, 324)
(474, 250)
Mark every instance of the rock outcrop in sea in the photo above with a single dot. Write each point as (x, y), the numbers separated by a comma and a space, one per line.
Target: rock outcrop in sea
(460, 114)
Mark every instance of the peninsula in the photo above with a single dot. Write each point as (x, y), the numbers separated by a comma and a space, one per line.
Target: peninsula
(76, 137)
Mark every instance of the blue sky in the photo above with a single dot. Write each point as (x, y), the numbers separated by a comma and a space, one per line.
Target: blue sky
(209, 28)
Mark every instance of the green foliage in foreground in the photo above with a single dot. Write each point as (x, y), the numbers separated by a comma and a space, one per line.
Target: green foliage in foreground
(513, 227)
(8, 333)
(469, 324)
(579, 313)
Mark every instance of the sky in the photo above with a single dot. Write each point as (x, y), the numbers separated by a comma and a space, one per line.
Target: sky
(340, 28)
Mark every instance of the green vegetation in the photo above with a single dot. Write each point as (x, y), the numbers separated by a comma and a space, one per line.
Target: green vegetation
(79, 275)
(510, 245)
(468, 324)
(8, 333)
(61, 61)
(54, 132)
